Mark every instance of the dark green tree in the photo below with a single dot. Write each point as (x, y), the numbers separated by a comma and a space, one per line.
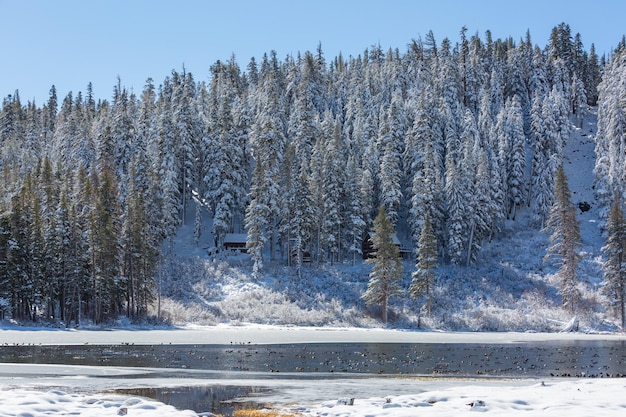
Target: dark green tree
(614, 266)
(565, 240)
(423, 279)
(107, 284)
(387, 267)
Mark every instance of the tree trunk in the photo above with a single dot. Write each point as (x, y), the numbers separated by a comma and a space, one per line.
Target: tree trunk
(469, 246)
(623, 308)
(384, 309)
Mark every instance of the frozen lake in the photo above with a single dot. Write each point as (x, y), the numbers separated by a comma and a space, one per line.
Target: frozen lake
(574, 358)
(313, 367)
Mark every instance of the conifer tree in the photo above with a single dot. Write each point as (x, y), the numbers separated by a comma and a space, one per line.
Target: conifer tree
(166, 165)
(423, 279)
(268, 142)
(354, 210)
(256, 220)
(614, 266)
(107, 285)
(302, 217)
(387, 265)
(517, 157)
(334, 178)
(457, 188)
(187, 137)
(18, 259)
(565, 241)
(138, 253)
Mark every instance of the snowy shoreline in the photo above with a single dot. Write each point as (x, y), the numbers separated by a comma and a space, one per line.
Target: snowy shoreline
(259, 334)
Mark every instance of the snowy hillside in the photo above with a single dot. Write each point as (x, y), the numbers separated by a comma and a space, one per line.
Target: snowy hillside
(293, 159)
(509, 287)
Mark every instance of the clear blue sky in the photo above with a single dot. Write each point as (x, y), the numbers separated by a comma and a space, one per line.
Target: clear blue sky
(69, 43)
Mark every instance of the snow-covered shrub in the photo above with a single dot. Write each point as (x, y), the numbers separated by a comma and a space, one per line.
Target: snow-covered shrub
(175, 312)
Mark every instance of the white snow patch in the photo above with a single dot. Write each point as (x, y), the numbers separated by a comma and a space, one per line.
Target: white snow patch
(572, 398)
(29, 403)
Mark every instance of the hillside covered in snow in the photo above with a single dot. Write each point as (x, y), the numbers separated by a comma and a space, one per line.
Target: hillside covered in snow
(509, 287)
(252, 197)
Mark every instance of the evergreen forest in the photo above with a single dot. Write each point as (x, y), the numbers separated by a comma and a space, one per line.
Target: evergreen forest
(301, 154)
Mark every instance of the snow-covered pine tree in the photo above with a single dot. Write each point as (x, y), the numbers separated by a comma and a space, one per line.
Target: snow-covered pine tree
(516, 166)
(268, 141)
(145, 128)
(187, 135)
(614, 266)
(333, 167)
(391, 144)
(354, 210)
(121, 135)
(458, 190)
(485, 119)
(147, 163)
(302, 128)
(447, 79)
(166, 164)
(496, 90)
(565, 241)
(256, 220)
(486, 223)
(370, 184)
(537, 145)
(423, 278)
(538, 82)
(593, 77)
(610, 144)
(387, 269)
(578, 100)
(426, 184)
(302, 218)
(229, 160)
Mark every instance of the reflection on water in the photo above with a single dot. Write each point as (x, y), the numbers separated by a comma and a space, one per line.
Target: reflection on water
(215, 399)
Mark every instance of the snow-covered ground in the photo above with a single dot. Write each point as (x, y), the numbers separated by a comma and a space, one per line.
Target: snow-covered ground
(264, 334)
(571, 398)
(28, 403)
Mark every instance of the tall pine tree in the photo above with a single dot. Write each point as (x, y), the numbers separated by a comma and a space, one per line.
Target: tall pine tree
(423, 279)
(565, 241)
(387, 271)
(614, 266)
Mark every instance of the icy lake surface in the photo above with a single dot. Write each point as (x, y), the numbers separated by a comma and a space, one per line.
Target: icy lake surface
(513, 360)
(250, 368)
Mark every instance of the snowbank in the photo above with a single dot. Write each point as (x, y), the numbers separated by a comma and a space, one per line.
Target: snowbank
(264, 334)
(571, 398)
(26, 403)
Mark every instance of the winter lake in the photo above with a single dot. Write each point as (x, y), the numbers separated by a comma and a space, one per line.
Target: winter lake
(216, 377)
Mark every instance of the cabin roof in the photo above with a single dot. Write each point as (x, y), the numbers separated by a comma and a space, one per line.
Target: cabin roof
(235, 238)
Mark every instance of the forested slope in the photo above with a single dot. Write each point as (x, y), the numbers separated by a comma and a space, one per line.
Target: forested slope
(299, 153)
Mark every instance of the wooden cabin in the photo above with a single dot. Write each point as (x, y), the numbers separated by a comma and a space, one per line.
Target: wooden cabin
(235, 242)
(368, 249)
